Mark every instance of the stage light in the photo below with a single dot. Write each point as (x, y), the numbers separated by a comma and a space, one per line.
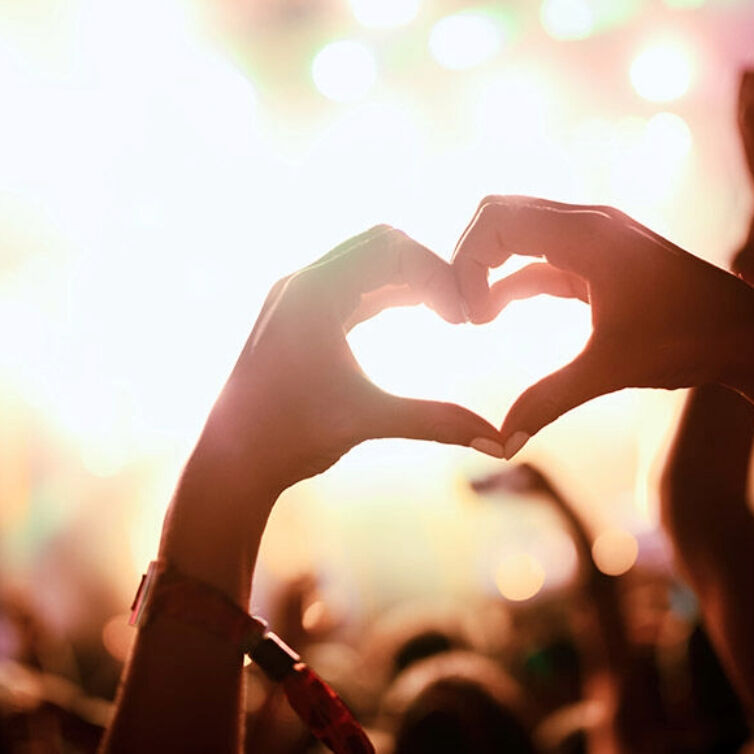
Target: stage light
(615, 551)
(344, 71)
(464, 40)
(567, 19)
(519, 577)
(662, 72)
(384, 14)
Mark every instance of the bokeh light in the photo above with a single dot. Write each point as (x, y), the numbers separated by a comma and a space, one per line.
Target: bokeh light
(384, 14)
(668, 136)
(465, 40)
(615, 551)
(662, 72)
(567, 19)
(149, 199)
(118, 636)
(650, 162)
(344, 71)
(520, 577)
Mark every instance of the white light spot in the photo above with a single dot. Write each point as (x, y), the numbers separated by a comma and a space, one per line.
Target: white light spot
(464, 40)
(668, 136)
(567, 19)
(344, 71)
(662, 72)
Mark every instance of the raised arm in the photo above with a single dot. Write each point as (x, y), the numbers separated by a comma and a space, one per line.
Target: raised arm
(705, 507)
(711, 527)
(295, 402)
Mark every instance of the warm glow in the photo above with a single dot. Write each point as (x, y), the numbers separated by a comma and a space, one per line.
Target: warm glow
(344, 71)
(662, 72)
(567, 19)
(520, 577)
(615, 551)
(160, 173)
(384, 14)
(464, 41)
(118, 636)
(315, 615)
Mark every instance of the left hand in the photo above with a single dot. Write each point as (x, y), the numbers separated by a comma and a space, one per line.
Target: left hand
(297, 399)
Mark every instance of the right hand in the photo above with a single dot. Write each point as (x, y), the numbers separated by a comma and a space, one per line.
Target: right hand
(746, 117)
(743, 261)
(661, 317)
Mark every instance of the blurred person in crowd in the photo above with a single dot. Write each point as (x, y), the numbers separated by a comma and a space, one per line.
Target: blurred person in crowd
(457, 701)
(645, 691)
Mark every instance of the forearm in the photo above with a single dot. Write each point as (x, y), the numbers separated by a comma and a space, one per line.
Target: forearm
(705, 514)
(737, 348)
(710, 452)
(182, 690)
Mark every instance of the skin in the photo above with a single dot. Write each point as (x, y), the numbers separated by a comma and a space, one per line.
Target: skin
(295, 402)
(661, 317)
(704, 510)
(743, 261)
(704, 496)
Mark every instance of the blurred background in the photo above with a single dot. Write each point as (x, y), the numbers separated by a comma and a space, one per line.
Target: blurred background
(163, 162)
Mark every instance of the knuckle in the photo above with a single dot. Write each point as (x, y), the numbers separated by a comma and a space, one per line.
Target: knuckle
(380, 228)
(489, 200)
(601, 224)
(615, 214)
(489, 213)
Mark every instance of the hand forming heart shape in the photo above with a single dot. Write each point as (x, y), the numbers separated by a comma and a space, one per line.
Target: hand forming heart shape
(297, 377)
(661, 318)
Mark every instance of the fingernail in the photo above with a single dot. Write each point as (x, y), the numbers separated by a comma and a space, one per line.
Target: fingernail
(465, 311)
(489, 447)
(514, 443)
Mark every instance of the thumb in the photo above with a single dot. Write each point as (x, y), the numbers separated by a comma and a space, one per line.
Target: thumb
(551, 397)
(434, 420)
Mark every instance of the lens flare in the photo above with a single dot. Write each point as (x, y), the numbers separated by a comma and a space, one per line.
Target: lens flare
(567, 19)
(464, 40)
(615, 551)
(662, 72)
(344, 71)
(519, 577)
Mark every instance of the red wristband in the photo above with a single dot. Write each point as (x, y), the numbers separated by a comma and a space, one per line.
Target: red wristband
(168, 592)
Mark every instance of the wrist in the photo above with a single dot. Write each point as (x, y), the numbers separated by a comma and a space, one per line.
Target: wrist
(216, 518)
(738, 344)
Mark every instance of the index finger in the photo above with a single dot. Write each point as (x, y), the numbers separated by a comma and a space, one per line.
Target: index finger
(567, 235)
(386, 267)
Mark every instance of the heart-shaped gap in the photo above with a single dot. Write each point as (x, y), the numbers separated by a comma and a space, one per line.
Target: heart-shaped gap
(412, 352)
